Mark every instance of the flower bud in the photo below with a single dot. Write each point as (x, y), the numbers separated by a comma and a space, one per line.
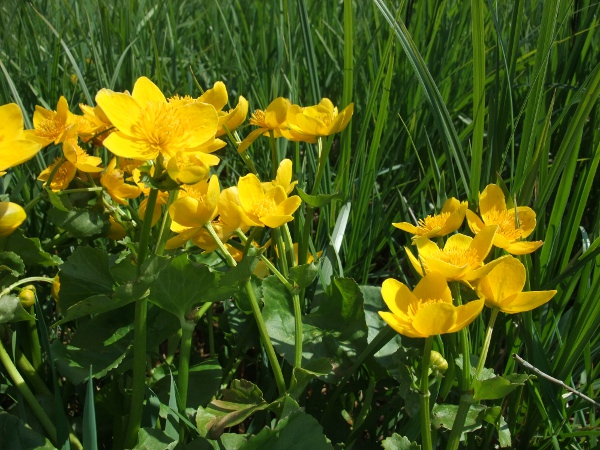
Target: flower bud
(437, 362)
(11, 216)
(27, 296)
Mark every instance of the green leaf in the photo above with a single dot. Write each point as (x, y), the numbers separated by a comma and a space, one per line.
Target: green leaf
(183, 285)
(153, 439)
(17, 435)
(81, 223)
(30, 250)
(12, 262)
(319, 200)
(55, 200)
(497, 387)
(304, 275)
(493, 415)
(444, 415)
(237, 404)
(90, 436)
(85, 274)
(229, 441)
(337, 331)
(243, 271)
(11, 310)
(397, 442)
(298, 431)
(302, 375)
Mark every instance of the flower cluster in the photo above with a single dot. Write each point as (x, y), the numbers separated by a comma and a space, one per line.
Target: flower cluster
(499, 282)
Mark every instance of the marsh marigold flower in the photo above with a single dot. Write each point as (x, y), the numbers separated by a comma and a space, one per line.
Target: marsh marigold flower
(427, 310)
(272, 119)
(149, 126)
(272, 208)
(11, 216)
(503, 286)
(283, 178)
(492, 207)
(16, 144)
(63, 175)
(113, 180)
(309, 123)
(448, 220)
(461, 258)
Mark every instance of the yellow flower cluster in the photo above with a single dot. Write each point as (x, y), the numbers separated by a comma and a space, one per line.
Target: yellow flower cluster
(429, 309)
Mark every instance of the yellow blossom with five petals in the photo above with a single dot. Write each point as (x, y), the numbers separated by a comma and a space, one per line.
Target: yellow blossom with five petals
(309, 123)
(492, 207)
(448, 220)
(283, 178)
(427, 310)
(62, 176)
(113, 180)
(272, 119)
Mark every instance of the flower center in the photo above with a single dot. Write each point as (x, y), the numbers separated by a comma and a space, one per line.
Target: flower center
(266, 207)
(258, 118)
(433, 222)
(506, 224)
(50, 129)
(161, 127)
(414, 308)
(458, 256)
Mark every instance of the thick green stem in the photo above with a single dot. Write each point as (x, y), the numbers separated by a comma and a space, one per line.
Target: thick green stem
(20, 384)
(281, 251)
(165, 225)
(274, 161)
(211, 332)
(30, 373)
(139, 334)
(262, 328)
(424, 391)
(34, 340)
(466, 398)
(184, 371)
(25, 281)
(486, 343)
(296, 301)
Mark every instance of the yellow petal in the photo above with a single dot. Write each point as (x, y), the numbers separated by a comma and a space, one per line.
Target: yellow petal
(435, 318)
(201, 120)
(451, 205)
(456, 218)
(250, 139)
(346, 115)
(188, 212)
(523, 247)
(526, 301)
(122, 110)
(404, 328)
(397, 296)
(426, 247)
(123, 145)
(507, 278)
(13, 153)
(414, 261)
(474, 222)
(216, 96)
(233, 118)
(482, 242)
(250, 191)
(145, 91)
(289, 206)
(467, 314)
(492, 197)
(276, 221)
(449, 271)
(405, 226)
(11, 122)
(182, 238)
(433, 286)
(526, 219)
(483, 270)
(276, 112)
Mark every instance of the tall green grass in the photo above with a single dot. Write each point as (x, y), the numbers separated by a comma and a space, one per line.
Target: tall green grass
(449, 96)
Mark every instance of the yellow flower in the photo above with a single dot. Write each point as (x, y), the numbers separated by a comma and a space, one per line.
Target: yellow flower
(113, 180)
(116, 231)
(271, 119)
(11, 216)
(197, 205)
(502, 288)
(306, 124)
(16, 144)
(448, 220)
(427, 310)
(190, 168)
(78, 156)
(283, 178)
(272, 208)
(460, 259)
(62, 177)
(492, 206)
(52, 126)
(149, 126)
(54, 291)
(93, 124)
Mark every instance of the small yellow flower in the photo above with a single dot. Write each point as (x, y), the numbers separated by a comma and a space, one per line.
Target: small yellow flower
(62, 177)
(11, 216)
(197, 204)
(149, 126)
(448, 220)
(427, 310)
(461, 258)
(93, 124)
(283, 178)
(16, 144)
(52, 126)
(492, 206)
(502, 288)
(271, 119)
(190, 168)
(113, 180)
(306, 124)
(272, 208)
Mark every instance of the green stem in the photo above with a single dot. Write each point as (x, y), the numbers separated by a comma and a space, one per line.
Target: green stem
(20, 384)
(30, 373)
(25, 281)
(424, 391)
(165, 225)
(486, 343)
(274, 162)
(262, 328)
(184, 371)
(139, 334)
(34, 339)
(211, 332)
(281, 251)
